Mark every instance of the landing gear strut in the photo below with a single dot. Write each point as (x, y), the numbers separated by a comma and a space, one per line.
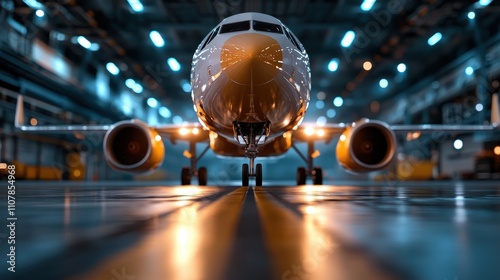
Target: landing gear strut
(251, 134)
(316, 173)
(188, 172)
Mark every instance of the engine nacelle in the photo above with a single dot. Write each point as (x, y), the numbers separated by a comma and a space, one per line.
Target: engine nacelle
(365, 146)
(133, 147)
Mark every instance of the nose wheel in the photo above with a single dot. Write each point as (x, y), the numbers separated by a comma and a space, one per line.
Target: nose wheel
(188, 172)
(245, 175)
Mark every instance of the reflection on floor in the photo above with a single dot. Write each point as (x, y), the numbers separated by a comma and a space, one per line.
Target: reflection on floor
(131, 232)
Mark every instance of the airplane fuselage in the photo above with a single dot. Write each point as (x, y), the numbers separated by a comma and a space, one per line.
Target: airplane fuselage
(250, 69)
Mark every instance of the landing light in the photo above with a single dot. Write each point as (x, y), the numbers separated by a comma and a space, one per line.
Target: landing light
(195, 131)
(158, 138)
(309, 131)
(321, 133)
(183, 131)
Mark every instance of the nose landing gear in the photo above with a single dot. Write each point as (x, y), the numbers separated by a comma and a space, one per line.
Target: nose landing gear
(251, 135)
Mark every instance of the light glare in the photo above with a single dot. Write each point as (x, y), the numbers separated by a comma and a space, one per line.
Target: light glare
(458, 144)
(434, 39)
(401, 68)
(112, 68)
(348, 39)
(174, 64)
(152, 102)
(338, 101)
(383, 83)
(157, 39)
(333, 65)
(367, 5)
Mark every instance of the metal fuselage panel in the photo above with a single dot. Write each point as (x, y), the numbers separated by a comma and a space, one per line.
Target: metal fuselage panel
(250, 76)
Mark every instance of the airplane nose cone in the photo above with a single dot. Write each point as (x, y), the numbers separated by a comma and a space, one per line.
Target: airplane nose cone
(251, 58)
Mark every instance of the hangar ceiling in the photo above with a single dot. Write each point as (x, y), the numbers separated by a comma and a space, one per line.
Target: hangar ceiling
(389, 34)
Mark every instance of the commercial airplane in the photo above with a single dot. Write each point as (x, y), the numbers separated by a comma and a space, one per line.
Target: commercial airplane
(251, 88)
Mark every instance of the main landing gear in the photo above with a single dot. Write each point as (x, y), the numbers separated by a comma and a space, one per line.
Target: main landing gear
(251, 134)
(316, 173)
(188, 172)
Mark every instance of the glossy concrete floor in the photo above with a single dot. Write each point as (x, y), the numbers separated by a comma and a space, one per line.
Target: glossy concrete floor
(125, 231)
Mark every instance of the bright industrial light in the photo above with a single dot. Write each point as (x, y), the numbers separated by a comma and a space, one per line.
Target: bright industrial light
(338, 101)
(401, 68)
(348, 39)
(174, 64)
(333, 65)
(471, 15)
(367, 5)
(320, 104)
(367, 65)
(130, 83)
(469, 71)
(331, 113)
(321, 121)
(40, 13)
(177, 120)
(165, 112)
(152, 102)
(434, 39)
(33, 121)
(321, 95)
(157, 39)
(321, 132)
(195, 131)
(136, 5)
(137, 88)
(479, 107)
(112, 68)
(158, 138)
(484, 2)
(33, 4)
(383, 83)
(458, 144)
(496, 150)
(84, 42)
(186, 86)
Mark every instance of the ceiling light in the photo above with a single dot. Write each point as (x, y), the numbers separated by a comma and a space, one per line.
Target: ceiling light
(174, 64)
(130, 83)
(40, 13)
(333, 65)
(496, 150)
(321, 121)
(320, 104)
(165, 112)
(383, 83)
(112, 68)
(479, 107)
(331, 113)
(33, 4)
(137, 88)
(434, 39)
(152, 102)
(186, 86)
(348, 39)
(338, 101)
(469, 71)
(471, 15)
(136, 5)
(321, 95)
(458, 144)
(367, 65)
(84, 42)
(177, 120)
(157, 39)
(401, 68)
(367, 5)
(484, 2)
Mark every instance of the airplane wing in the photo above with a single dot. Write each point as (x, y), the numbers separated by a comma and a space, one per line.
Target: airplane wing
(188, 132)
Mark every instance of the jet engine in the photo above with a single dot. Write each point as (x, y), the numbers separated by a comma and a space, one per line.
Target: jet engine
(365, 146)
(133, 147)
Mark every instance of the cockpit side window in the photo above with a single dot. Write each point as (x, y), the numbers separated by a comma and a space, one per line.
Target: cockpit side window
(266, 27)
(291, 37)
(235, 27)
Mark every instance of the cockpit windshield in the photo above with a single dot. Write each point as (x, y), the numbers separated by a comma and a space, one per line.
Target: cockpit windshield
(235, 27)
(266, 27)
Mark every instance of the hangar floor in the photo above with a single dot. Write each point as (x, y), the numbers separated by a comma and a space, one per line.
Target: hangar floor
(122, 231)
